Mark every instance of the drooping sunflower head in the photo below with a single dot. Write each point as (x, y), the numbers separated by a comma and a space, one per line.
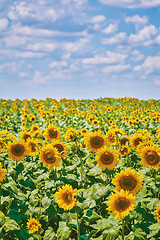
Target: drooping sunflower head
(107, 158)
(150, 156)
(120, 204)
(49, 156)
(71, 134)
(61, 147)
(124, 141)
(128, 180)
(3, 172)
(66, 197)
(33, 225)
(52, 133)
(17, 150)
(157, 211)
(2, 144)
(94, 141)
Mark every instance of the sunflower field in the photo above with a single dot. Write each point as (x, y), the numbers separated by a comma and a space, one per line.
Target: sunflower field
(80, 169)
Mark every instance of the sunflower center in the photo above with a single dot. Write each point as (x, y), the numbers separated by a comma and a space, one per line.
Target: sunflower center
(33, 147)
(96, 142)
(128, 183)
(121, 204)
(49, 156)
(137, 141)
(53, 133)
(26, 136)
(59, 147)
(18, 150)
(67, 196)
(106, 158)
(123, 141)
(152, 157)
(112, 138)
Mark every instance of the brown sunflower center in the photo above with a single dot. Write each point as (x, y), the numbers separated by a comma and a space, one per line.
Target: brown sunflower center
(128, 183)
(124, 150)
(106, 158)
(137, 141)
(49, 156)
(26, 136)
(67, 196)
(97, 142)
(152, 157)
(53, 133)
(59, 147)
(18, 150)
(33, 147)
(123, 141)
(112, 138)
(121, 204)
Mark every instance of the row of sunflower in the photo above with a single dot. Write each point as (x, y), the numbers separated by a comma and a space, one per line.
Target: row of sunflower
(80, 169)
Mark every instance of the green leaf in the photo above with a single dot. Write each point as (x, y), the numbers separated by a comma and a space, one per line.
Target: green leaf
(49, 234)
(23, 234)
(139, 234)
(11, 225)
(154, 227)
(63, 231)
(14, 214)
(110, 234)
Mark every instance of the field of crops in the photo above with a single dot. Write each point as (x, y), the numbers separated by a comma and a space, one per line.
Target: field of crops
(80, 169)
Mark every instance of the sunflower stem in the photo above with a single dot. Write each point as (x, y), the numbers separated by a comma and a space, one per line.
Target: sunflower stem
(78, 226)
(123, 225)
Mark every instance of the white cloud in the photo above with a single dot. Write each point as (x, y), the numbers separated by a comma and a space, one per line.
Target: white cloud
(112, 28)
(39, 79)
(13, 41)
(132, 3)
(12, 66)
(3, 24)
(150, 65)
(22, 74)
(75, 46)
(42, 47)
(136, 19)
(157, 82)
(143, 35)
(98, 19)
(137, 56)
(25, 10)
(116, 68)
(118, 38)
(28, 54)
(111, 57)
(29, 31)
(55, 64)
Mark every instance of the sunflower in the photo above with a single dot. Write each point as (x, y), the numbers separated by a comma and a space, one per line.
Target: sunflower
(34, 128)
(33, 147)
(124, 150)
(71, 134)
(111, 137)
(25, 136)
(150, 156)
(83, 131)
(128, 180)
(2, 173)
(61, 147)
(136, 140)
(157, 211)
(66, 197)
(49, 156)
(2, 145)
(52, 132)
(94, 140)
(121, 203)
(124, 140)
(33, 225)
(107, 158)
(17, 150)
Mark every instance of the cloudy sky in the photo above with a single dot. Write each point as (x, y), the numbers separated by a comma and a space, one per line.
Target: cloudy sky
(79, 49)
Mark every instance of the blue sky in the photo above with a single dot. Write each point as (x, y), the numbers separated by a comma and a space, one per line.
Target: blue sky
(81, 49)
